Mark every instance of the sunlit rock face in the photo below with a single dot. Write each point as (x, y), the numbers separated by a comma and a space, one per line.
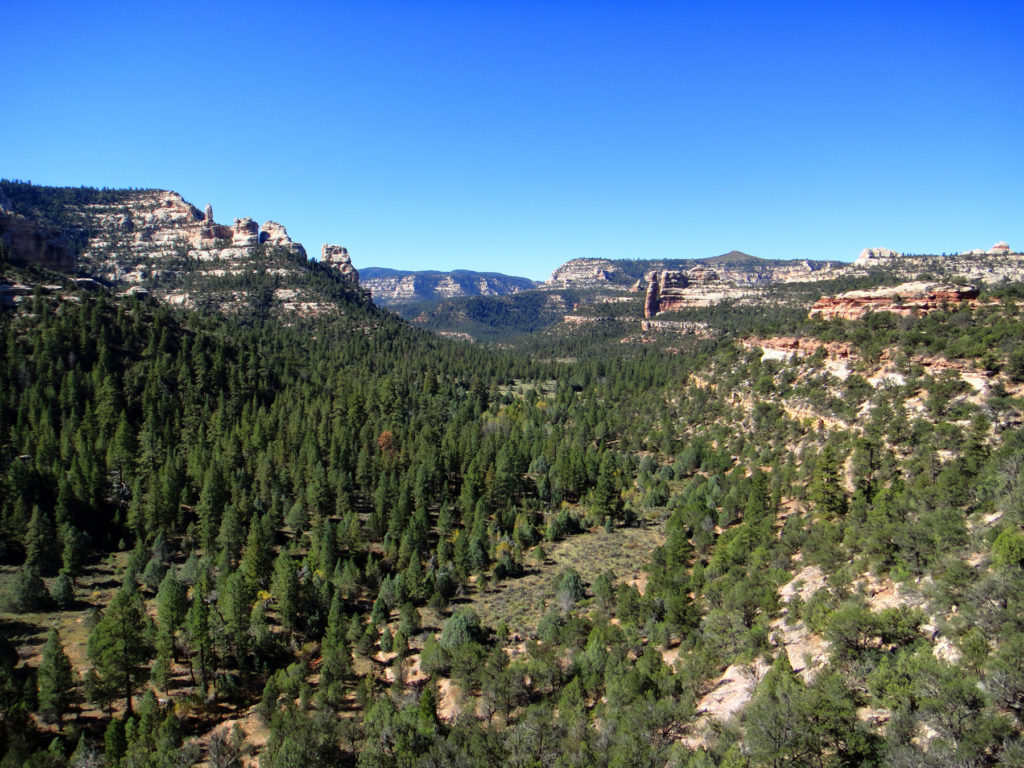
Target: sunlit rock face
(675, 289)
(582, 273)
(337, 257)
(906, 299)
(156, 242)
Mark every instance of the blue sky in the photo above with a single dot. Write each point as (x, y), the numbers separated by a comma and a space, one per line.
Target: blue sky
(514, 136)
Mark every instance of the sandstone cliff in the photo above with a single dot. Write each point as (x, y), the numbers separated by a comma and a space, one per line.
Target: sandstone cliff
(337, 257)
(586, 273)
(906, 299)
(989, 266)
(157, 241)
(697, 287)
(29, 243)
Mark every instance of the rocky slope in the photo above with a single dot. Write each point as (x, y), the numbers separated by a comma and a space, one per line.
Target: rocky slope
(393, 286)
(156, 241)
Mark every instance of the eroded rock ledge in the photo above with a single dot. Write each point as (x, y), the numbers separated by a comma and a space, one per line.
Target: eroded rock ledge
(906, 299)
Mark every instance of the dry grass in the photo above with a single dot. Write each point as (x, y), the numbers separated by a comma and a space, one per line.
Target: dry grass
(27, 631)
(520, 603)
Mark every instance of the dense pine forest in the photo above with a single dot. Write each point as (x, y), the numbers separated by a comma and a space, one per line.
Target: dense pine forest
(344, 541)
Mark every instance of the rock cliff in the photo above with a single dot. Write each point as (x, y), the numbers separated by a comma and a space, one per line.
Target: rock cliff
(29, 243)
(586, 273)
(157, 241)
(338, 258)
(989, 266)
(697, 287)
(907, 299)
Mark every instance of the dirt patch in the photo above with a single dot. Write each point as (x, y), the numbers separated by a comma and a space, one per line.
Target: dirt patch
(731, 692)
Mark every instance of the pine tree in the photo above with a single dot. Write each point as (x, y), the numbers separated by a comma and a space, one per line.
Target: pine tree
(197, 624)
(73, 549)
(285, 588)
(56, 680)
(256, 562)
(119, 645)
(63, 591)
(40, 552)
(211, 503)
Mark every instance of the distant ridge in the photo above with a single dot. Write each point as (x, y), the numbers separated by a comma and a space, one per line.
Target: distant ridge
(396, 286)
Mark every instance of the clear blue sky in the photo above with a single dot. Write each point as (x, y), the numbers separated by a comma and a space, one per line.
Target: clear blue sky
(513, 136)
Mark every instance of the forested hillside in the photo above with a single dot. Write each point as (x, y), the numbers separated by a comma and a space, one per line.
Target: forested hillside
(344, 541)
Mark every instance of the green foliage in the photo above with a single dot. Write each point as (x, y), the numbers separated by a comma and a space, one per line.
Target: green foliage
(63, 591)
(25, 592)
(56, 680)
(120, 644)
(461, 627)
(788, 723)
(291, 491)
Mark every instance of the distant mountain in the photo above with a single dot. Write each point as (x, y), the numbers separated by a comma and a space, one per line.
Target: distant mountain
(734, 257)
(394, 286)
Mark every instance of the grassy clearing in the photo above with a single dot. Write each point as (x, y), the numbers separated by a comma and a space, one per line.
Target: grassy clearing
(520, 603)
(27, 631)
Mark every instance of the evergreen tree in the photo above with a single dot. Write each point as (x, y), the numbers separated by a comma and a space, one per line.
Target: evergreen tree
(197, 625)
(257, 560)
(40, 552)
(63, 591)
(55, 679)
(119, 644)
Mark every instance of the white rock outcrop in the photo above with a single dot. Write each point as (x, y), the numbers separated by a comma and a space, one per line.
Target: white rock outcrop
(245, 233)
(337, 257)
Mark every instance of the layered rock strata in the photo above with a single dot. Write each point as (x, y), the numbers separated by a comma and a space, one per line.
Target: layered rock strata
(583, 273)
(674, 289)
(906, 299)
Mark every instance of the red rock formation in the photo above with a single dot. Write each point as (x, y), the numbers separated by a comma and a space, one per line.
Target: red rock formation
(801, 346)
(908, 300)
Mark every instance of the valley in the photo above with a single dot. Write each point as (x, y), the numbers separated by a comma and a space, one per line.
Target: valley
(725, 511)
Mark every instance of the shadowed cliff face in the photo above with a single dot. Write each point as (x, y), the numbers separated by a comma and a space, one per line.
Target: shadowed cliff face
(30, 244)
